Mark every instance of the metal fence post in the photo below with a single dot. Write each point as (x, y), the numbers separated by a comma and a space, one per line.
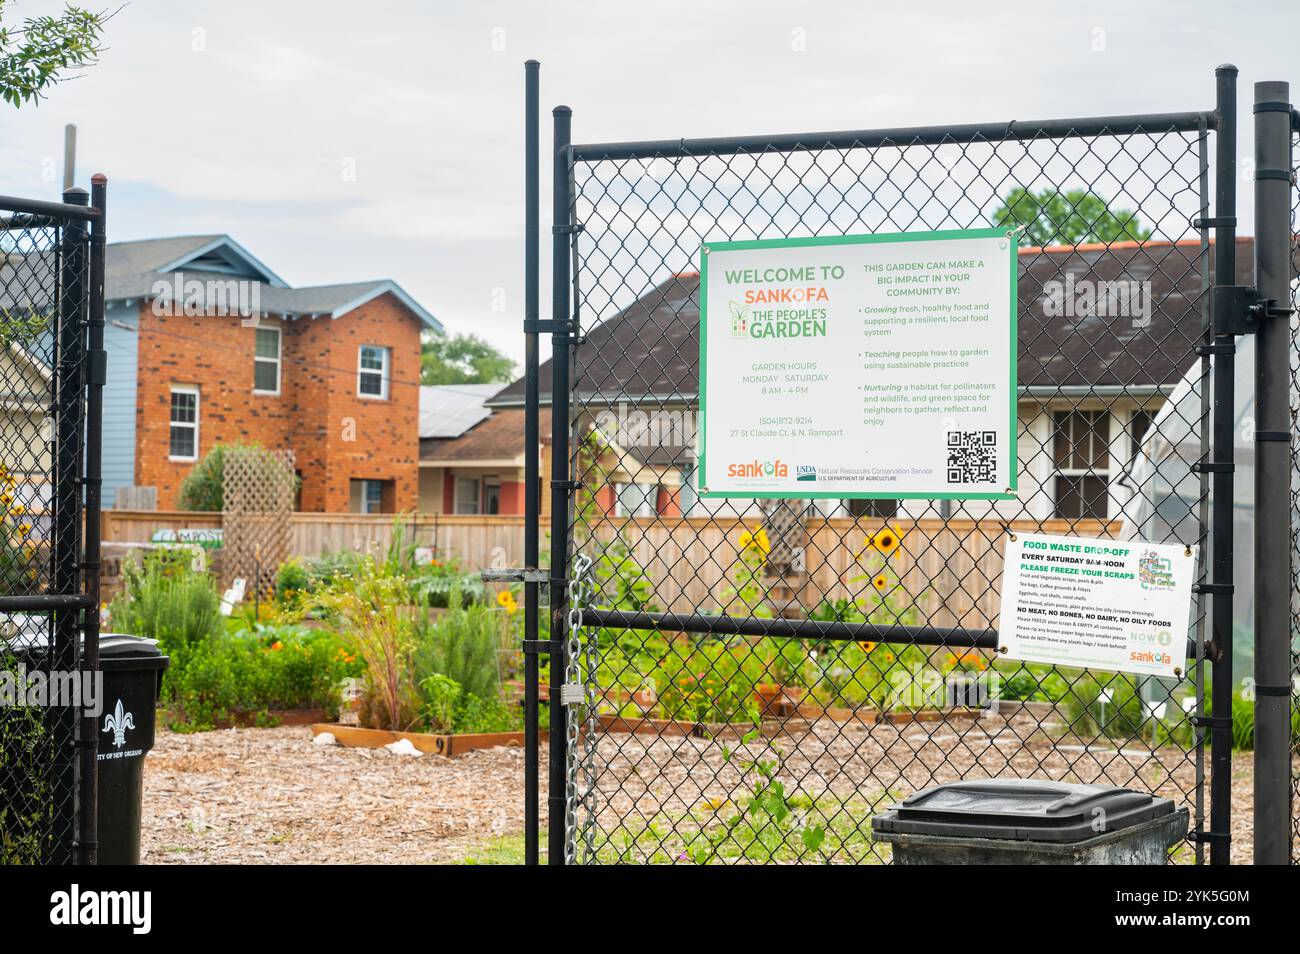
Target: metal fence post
(1273, 270)
(68, 434)
(532, 445)
(560, 291)
(96, 375)
(1225, 273)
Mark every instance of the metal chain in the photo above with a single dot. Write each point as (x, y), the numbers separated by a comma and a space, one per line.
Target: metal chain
(573, 694)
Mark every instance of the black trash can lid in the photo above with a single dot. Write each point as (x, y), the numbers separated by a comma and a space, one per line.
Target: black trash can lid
(116, 650)
(1021, 810)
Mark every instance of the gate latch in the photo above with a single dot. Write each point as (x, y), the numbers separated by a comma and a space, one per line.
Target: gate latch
(1238, 309)
(515, 575)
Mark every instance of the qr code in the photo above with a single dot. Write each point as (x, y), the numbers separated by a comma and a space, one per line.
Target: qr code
(972, 457)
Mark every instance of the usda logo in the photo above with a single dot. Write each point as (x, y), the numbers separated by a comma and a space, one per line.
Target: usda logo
(805, 472)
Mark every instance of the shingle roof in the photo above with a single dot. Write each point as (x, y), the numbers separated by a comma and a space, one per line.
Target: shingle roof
(134, 269)
(148, 255)
(650, 350)
(498, 437)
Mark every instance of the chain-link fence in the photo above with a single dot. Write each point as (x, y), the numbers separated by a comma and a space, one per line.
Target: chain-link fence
(1295, 506)
(763, 676)
(47, 577)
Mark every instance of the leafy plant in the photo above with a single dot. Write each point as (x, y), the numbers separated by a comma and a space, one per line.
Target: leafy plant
(44, 50)
(26, 799)
(1072, 217)
(463, 645)
(441, 694)
(377, 620)
(165, 599)
(766, 822)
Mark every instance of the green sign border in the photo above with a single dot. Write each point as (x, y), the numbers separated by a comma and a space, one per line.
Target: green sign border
(880, 238)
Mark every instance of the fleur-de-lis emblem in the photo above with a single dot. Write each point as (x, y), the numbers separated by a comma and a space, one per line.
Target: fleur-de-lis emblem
(117, 722)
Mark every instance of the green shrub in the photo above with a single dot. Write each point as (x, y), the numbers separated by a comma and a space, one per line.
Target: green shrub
(26, 802)
(463, 645)
(164, 599)
(255, 674)
(291, 580)
(441, 695)
(478, 714)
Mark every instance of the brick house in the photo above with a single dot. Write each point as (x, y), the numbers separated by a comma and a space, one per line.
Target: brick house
(331, 372)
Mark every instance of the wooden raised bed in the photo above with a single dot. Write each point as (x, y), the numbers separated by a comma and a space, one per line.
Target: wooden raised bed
(431, 744)
(675, 727)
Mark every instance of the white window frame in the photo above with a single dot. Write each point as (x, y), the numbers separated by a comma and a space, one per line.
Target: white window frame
(366, 485)
(1106, 474)
(477, 496)
(648, 506)
(258, 359)
(383, 372)
(184, 389)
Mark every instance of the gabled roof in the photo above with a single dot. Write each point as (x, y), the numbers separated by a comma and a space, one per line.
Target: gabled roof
(497, 438)
(133, 270)
(449, 410)
(200, 252)
(649, 351)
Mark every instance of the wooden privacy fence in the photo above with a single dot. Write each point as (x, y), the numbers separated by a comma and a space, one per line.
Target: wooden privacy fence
(692, 559)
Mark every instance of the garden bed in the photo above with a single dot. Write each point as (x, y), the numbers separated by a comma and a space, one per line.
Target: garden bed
(429, 743)
(262, 720)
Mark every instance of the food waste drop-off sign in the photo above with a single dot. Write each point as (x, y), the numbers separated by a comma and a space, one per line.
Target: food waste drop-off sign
(859, 366)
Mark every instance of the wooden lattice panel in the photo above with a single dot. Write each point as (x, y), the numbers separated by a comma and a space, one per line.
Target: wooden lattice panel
(258, 487)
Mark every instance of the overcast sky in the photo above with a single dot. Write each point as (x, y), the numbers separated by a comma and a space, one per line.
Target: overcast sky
(349, 141)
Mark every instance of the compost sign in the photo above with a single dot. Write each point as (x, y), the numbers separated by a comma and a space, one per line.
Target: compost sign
(1122, 605)
(859, 366)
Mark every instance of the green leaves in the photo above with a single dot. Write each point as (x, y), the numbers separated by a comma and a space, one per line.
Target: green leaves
(462, 359)
(44, 50)
(1073, 217)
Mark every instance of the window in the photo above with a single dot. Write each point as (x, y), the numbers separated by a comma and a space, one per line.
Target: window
(1138, 425)
(370, 496)
(372, 372)
(266, 361)
(1081, 456)
(872, 508)
(372, 499)
(184, 437)
(635, 500)
(467, 495)
(491, 496)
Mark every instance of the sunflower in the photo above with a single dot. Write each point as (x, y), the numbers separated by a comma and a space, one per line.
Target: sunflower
(886, 540)
(758, 540)
(506, 599)
(880, 582)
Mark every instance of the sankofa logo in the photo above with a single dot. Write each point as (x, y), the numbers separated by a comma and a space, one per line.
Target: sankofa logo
(757, 468)
(74, 907)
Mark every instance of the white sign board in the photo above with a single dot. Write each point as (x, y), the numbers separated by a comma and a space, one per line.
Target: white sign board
(859, 366)
(1122, 605)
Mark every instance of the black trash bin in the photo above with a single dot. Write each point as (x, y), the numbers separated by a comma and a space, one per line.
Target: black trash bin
(132, 668)
(1026, 821)
(133, 672)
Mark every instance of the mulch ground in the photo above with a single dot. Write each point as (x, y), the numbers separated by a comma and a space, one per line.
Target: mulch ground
(270, 796)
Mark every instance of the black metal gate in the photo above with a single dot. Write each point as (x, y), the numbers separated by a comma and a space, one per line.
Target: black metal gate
(53, 360)
(729, 681)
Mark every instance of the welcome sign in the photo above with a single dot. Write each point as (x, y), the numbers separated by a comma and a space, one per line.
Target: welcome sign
(859, 366)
